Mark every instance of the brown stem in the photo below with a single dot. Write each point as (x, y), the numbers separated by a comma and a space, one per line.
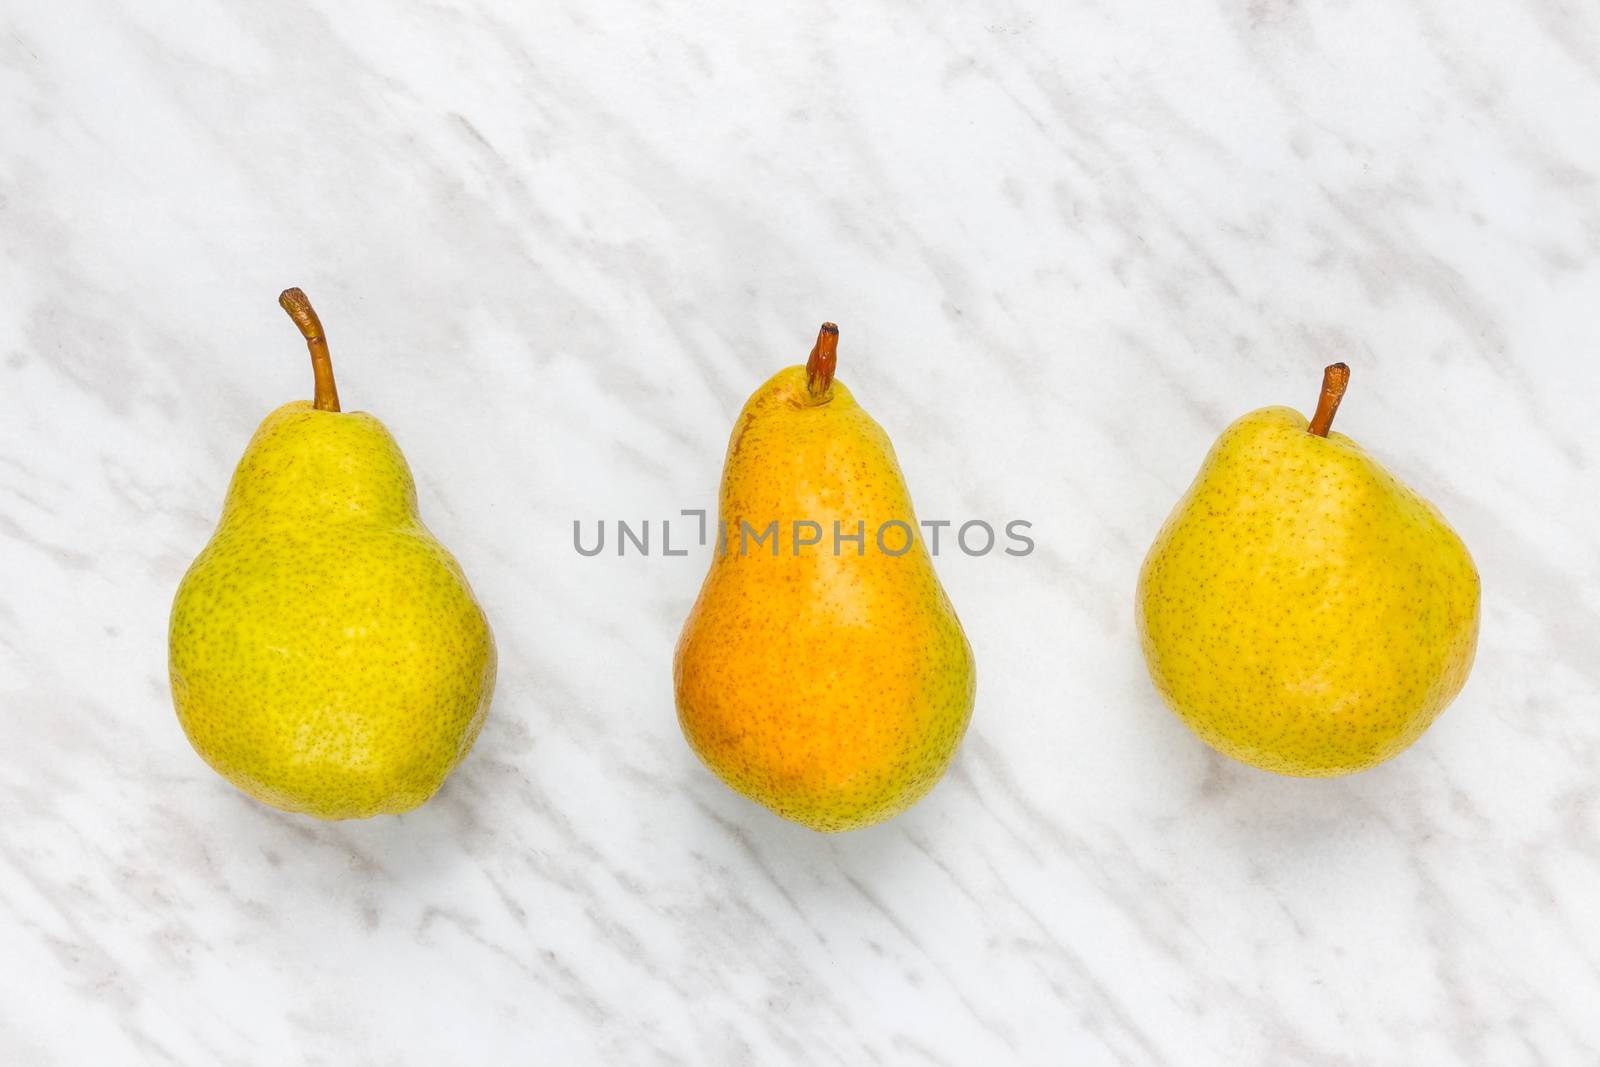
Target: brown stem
(1334, 381)
(304, 315)
(822, 361)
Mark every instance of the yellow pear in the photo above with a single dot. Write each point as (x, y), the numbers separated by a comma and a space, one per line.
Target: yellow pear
(326, 653)
(822, 671)
(1302, 610)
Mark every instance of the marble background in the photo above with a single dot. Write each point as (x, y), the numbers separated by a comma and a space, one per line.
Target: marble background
(556, 245)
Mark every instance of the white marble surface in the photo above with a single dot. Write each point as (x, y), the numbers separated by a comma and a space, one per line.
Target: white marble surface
(556, 245)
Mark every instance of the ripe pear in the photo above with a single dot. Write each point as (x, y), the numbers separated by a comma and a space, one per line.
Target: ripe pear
(327, 655)
(824, 677)
(1302, 610)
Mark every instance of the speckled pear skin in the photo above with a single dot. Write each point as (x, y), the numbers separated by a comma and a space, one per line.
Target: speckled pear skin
(1302, 610)
(833, 690)
(326, 653)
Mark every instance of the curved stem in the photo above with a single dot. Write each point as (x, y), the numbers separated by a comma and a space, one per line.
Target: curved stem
(1334, 381)
(822, 361)
(326, 397)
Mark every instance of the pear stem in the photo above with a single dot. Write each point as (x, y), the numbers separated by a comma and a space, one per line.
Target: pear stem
(295, 302)
(1334, 381)
(822, 361)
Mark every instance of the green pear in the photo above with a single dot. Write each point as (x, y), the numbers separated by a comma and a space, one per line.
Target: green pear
(326, 653)
(1302, 610)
